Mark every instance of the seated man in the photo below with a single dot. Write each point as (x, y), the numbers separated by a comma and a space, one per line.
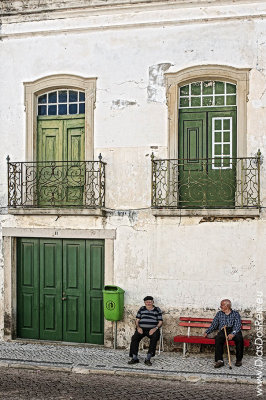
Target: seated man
(148, 321)
(232, 321)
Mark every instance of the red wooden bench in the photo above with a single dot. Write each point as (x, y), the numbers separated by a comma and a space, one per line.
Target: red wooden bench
(204, 323)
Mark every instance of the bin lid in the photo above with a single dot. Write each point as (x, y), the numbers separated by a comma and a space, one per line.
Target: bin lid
(113, 289)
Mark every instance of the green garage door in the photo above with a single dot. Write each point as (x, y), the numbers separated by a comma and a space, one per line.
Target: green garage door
(59, 290)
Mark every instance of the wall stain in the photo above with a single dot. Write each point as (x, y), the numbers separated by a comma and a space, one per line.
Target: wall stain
(121, 104)
(7, 324)
(226, 219)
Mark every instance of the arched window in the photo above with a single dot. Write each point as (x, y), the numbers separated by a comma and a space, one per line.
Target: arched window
(207, 86)
(59, 96)
(207, 94)
(62, 102)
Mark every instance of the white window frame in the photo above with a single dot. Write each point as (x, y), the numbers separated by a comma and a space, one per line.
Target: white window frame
(221, 156)
(201, 95)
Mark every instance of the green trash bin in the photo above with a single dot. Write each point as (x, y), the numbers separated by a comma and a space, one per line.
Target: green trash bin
(113, 302)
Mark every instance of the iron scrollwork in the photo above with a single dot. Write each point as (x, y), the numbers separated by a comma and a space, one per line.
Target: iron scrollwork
(183, 183)
(56, 184)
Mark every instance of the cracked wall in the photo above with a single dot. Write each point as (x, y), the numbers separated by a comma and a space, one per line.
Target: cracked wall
(190, 263)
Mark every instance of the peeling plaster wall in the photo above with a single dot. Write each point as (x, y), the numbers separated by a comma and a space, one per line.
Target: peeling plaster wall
(186, 264)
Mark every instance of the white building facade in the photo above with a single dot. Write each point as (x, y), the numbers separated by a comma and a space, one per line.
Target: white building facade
(172, 96)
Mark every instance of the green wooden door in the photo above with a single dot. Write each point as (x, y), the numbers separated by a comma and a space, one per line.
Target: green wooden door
(94, 284)
(222, 149)
(207, 152)
(28, 288)
(192, 149)
(74, 151)
(59, 290)
(74, 290)
(50, 253)
(60, 139)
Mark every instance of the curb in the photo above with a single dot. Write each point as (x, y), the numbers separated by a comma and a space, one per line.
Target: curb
(170, 377)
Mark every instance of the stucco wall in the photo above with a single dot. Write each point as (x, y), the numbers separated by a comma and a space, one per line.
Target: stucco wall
(186, 264)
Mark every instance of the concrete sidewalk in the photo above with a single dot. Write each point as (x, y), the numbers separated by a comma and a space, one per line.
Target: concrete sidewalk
(97, 359)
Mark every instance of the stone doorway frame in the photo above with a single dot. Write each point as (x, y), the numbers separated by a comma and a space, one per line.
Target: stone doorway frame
(48, 83)
(10, 234)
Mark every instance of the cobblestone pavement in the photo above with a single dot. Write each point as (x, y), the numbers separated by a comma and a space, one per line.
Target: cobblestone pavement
(84, 359)
(21, 384)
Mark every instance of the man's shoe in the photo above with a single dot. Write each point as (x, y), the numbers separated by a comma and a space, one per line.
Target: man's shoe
(238, 363)
(219, 364)
(147, 362)
(133, 361)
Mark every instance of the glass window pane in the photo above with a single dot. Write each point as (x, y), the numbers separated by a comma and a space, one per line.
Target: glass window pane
(217, 162)
(41, 110)
(230, 88)
(62, 109)
(52, 97)
(184, 102)
(219, 100)
(230, 100)
(226, 149)
(217, 149)
(184, 90)
(73, 96)
(81, 108)
(52, 110)
(226, 162)
(226, 137)
(207, 87)
(195, 101)
(81, 96)
(219, 87)
(226, 124)
(218, 124)
(207, 101)
(42, 99)
(73, 109)
(196, 88)
(218, 137)
(62, 96)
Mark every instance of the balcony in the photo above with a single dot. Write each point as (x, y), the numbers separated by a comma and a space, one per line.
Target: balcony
(216, 183)
(56, 184)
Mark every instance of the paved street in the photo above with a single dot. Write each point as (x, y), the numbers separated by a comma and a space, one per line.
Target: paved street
(55, 371)
(85, 359)
(38, 384)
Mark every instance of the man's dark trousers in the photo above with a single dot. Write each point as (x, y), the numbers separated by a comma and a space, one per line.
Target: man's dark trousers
(220, 340)
(136, 338)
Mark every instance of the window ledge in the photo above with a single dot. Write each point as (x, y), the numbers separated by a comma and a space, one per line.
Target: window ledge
(97, 212)
(224, 213)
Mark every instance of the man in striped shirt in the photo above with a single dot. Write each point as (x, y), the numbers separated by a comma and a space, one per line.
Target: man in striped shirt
(148, 321)
(232, 321)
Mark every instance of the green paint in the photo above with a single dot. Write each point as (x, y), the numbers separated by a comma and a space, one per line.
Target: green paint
(59, 290)
(94, 284)
(61, 139)
(28, 288)
(200, 184)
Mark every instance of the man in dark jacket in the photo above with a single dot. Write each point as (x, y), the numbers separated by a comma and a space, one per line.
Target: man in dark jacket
(148, 321)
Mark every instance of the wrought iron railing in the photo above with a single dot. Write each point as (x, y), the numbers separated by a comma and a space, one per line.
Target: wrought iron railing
(206, 183)
(49, 184)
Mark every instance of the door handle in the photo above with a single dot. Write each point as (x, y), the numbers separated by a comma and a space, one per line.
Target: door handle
(64, 298)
